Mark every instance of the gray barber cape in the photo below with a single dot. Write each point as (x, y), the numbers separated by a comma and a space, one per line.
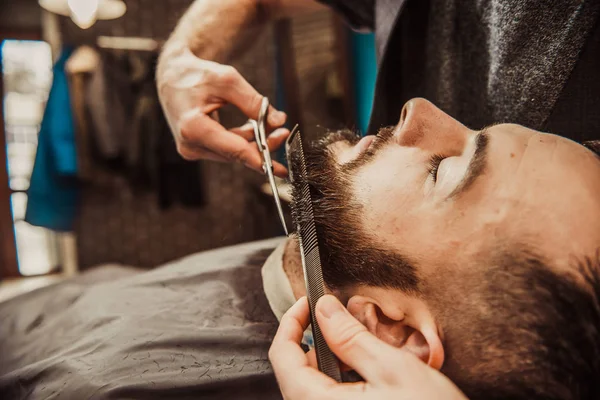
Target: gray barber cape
(197, 328)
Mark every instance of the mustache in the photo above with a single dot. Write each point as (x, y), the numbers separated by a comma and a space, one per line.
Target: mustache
(383, 136)
(343, 135)
(319, 157)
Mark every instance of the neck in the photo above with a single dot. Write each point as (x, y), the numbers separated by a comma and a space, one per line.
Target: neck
(292, 266)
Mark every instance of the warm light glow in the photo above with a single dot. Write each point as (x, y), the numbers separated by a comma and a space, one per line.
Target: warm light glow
(83, 12)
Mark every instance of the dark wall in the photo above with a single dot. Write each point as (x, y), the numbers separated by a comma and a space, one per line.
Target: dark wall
(118, 226)
(20, 15)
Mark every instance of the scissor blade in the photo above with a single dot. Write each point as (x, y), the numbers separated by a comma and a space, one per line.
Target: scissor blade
(277, 201)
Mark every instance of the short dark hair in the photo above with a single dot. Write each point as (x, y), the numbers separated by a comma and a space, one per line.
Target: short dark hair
(524, 330)
(520, 330)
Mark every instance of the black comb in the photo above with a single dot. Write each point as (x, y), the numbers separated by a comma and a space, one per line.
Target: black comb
(311, 262)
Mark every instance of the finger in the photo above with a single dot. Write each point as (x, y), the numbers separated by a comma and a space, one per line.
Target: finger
(237, 91)
(192, 153)
(279, 170)
(291, 365)
(200, 130)
(290, 332)
(277, 138)
(312, 361)
(246, 131)
(275, 118)
(274, 141)
(311, 357)
(372, 358)
(215, 115)
(235, 148)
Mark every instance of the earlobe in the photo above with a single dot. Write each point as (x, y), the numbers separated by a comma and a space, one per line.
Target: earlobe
(421, 340)
(417, 344)
(436, 348)
(426, 346)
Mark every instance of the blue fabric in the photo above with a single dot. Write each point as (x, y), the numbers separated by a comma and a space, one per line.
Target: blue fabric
(364, 73)
(54, 191)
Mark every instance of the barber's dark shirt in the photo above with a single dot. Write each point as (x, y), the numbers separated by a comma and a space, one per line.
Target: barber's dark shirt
(535, 63)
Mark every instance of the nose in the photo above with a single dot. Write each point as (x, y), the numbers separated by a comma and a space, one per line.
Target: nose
(424, 125)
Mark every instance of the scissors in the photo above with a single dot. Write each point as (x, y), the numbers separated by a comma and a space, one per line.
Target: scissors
(260, 135)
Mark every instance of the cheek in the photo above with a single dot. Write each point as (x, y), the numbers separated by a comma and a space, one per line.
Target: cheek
(386, 187)
(428, 233)
(391, 201)
(397, 212)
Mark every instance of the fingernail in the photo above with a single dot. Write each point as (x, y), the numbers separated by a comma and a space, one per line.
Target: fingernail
(279, 132)
(328, 306)
(277, 118)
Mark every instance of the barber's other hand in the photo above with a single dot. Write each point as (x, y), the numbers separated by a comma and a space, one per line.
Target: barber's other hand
(389, 372)
(190, 89)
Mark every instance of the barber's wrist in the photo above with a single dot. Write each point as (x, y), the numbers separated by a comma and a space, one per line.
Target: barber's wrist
(171, 51)
(180, 43)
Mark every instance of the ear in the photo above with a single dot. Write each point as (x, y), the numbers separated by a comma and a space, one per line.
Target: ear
(412, 329)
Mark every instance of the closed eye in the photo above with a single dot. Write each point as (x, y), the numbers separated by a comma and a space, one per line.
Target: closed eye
(434, 164)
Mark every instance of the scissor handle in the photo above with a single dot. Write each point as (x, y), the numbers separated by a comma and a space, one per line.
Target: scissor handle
(260, 135)
(262, 116)
(262, 130)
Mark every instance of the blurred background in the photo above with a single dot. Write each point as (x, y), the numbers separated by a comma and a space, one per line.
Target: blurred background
(89, 174)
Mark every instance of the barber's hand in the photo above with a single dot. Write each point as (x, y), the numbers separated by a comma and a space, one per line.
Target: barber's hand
(190, 89)
(389, 373)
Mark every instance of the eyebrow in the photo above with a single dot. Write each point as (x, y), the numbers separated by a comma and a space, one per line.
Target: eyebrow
(476, 166)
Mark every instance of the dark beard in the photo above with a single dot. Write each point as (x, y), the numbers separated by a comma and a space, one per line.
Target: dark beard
(350, 256)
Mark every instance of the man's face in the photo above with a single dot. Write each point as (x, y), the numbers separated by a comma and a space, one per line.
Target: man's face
(441, 193)
(475, 251)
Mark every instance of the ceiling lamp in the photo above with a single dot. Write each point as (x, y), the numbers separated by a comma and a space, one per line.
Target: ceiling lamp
(85, 12)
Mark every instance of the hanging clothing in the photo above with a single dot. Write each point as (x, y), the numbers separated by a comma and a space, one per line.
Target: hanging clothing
(130, 135)
(53, 191)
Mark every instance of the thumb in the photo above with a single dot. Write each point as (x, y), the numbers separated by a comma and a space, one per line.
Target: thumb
(372, 358)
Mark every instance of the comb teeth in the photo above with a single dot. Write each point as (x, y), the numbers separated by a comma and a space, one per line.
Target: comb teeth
(313, 272)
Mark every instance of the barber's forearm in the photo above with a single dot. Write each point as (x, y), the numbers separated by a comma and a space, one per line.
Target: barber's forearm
(211, 28)
(194, 79)
(215, 29)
